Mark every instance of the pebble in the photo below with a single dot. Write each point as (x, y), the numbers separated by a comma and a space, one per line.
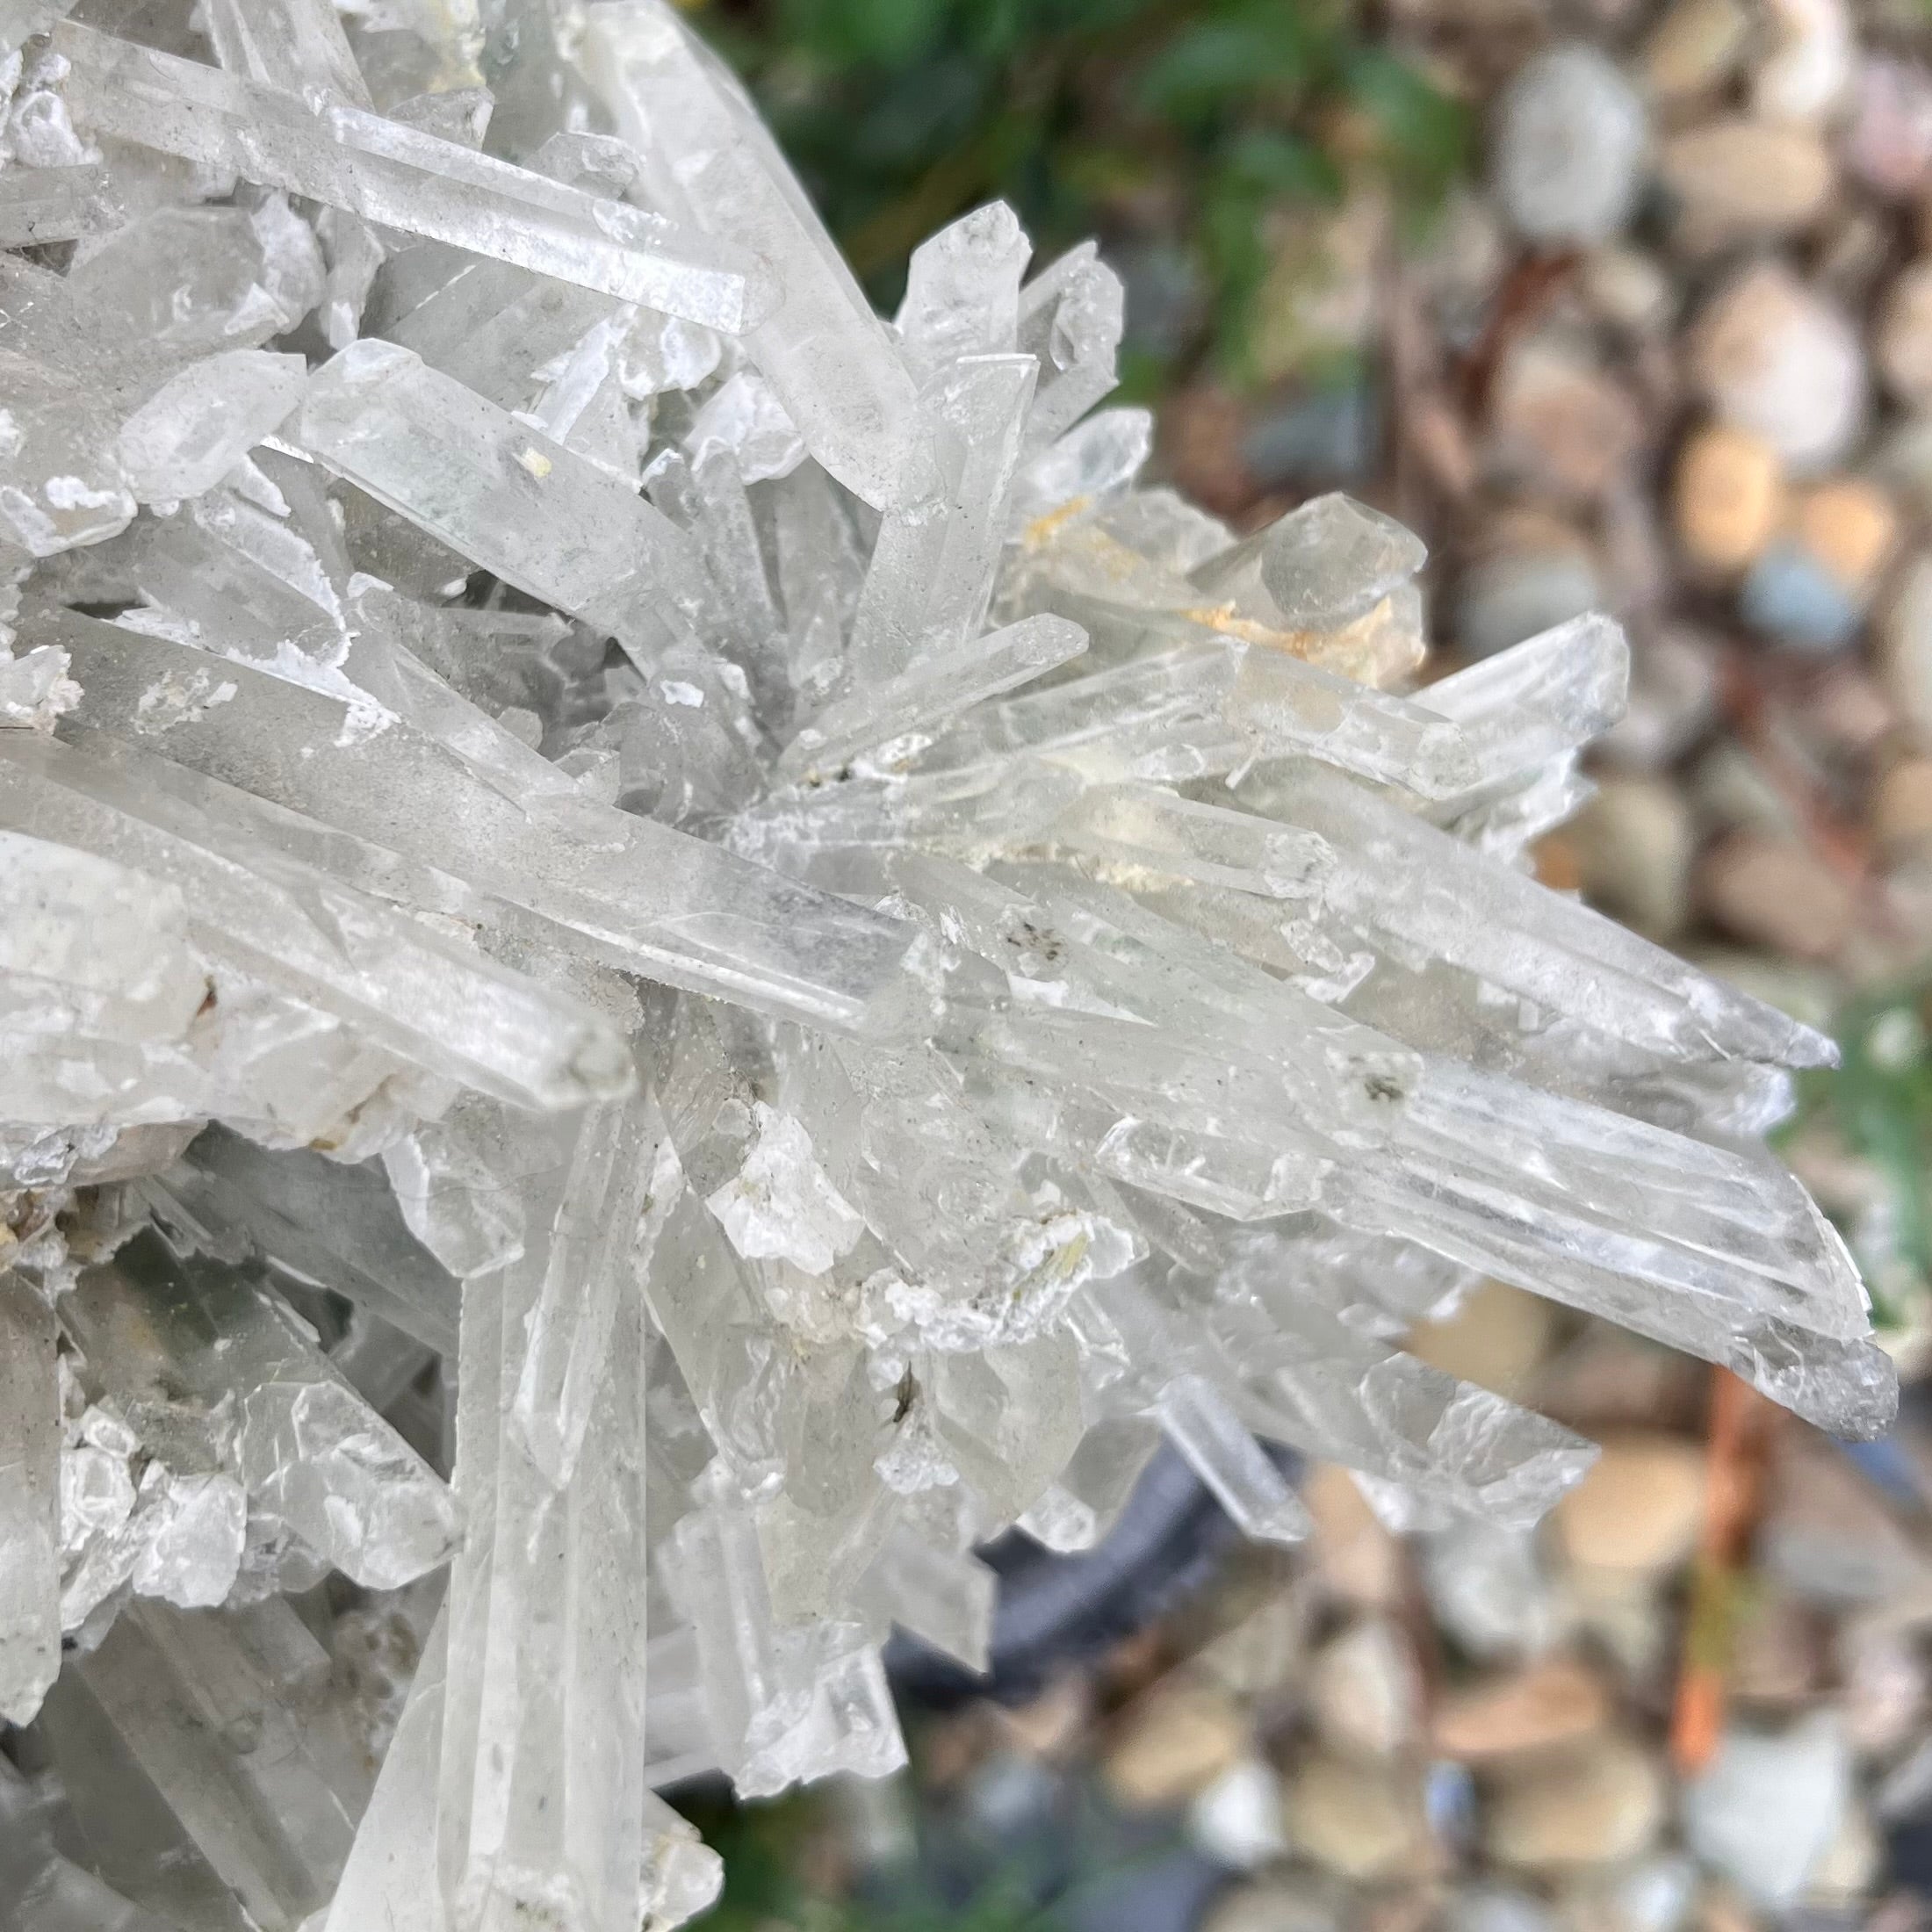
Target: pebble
(1554, 1702)
(1488, 1589)
(1364, 1690)
(1792, 598)
(1773, 356)
(1850, 527)
(1278, 1905)
(1364, 1821)
(1655, 1895)
(1888, 144)
(1695, 47)
(1560, 420)
(1673, 698)
(1778, 893)
(1238, 1819)
(1741, 179)
(1843, 1879)
(1884, 1699)
(1602, 1802)
(1901, 807)
(1905, 645)
(1639, 1508)
(1323, 439)
(1637, 845)
(1176, 1741)
(1770, 1808)
(1357, 1559)
(1570, 139)
(1904, 340)
(1536, 574)
(1630, 290)
(1902, 461)
(1495, 1336)
(1496, 1909)
(1809, 69)
(1731, 788)
(1777, 1658)
(1828, 1536)
(1728, 496)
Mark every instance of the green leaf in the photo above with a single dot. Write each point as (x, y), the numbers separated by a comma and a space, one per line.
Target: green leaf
(1210, 67)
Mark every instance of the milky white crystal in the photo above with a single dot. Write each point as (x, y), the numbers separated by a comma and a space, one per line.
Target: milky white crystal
(667, 951)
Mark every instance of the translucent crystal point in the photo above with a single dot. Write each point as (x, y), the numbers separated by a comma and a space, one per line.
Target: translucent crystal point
(1321, 566)
(708, 159)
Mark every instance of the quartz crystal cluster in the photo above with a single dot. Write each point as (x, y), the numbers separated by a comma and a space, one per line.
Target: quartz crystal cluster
(667, 952)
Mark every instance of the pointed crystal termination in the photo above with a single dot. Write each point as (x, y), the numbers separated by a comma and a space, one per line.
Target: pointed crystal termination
(289, 44)
(1233, 1464)
(389, 172)
(1321, 566)
(709, 159)
(30, 1501)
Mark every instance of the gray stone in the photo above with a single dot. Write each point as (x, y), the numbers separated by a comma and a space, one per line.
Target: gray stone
(1768, 1809)
(1570, 139)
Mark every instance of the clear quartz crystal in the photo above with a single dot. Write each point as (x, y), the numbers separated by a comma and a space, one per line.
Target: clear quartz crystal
(667, 952)
(30, 1501)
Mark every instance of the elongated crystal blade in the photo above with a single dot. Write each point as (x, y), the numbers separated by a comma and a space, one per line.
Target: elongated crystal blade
(708, 159)
(30, 1506)
(388, 172)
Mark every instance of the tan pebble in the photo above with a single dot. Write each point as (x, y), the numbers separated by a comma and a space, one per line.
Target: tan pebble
(1637, 845)
(1728, 496)
(1905, 646)
(1355, 1556)
(1778, 893)
(1904, 340)
(1603, 1802)
(1363, 1691)
(1052, 1723)
(1550, 1704)
(1695, 47)
(1741, 177)
(1495, 1338)
(1640, 1506)
(1901, 807)
(1850, 526)
(1563, 422)
(1174, 1742)
(1849, 709)
(1364, 1821)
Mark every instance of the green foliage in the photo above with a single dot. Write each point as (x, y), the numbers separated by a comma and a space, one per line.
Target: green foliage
(766, 1848)
(1878, 1105)
(1194, 118)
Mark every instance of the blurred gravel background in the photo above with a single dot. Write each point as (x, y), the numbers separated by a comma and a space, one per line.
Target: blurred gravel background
(1621, 306)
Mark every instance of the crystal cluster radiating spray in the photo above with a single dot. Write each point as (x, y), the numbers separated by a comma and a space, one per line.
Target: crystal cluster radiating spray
(668, 950)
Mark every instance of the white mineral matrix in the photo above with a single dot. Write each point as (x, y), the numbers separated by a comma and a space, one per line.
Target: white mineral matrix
(623, 879)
